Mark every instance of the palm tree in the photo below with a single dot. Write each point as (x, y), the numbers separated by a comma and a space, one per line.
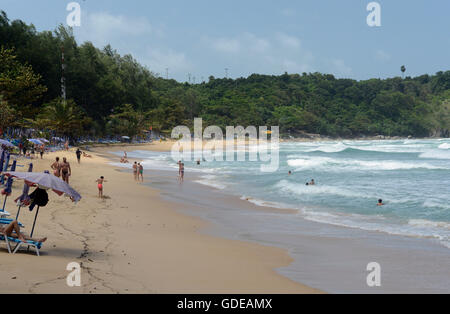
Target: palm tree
(63, 117)
(403, 69)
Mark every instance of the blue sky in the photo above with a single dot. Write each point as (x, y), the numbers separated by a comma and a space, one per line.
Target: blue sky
(203, 37)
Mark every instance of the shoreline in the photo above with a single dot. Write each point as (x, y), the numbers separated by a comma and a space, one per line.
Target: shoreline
(324, 238)
(126, 246)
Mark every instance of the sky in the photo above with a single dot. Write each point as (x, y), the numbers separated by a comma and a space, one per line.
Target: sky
(199, 38)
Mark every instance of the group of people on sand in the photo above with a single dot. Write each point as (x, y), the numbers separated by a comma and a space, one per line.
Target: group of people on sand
(31, 153)
(138, 171)
(62, 169)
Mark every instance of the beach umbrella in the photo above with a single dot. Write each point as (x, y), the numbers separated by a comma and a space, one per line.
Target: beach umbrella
(26, 188)
(35, 141)
(43, 140)
(126, 137)
(45, 181)
(6, 143)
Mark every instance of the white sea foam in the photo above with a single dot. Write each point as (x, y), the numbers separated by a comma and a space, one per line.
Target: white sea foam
(211, 181)
(336, 164)
(444, 146)
(436, 154)
(301, 189)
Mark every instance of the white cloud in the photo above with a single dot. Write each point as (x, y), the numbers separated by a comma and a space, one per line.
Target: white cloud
(274, 54)
(288, 41)
(226, 45)
(158, 59)
(101, 28)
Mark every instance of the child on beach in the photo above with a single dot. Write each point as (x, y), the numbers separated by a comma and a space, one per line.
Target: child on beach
(100, 186)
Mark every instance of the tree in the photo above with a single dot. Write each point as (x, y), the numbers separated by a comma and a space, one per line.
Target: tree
(64, 117)
(403, 69)
(6, 114)
(19, 85)
(127, 121)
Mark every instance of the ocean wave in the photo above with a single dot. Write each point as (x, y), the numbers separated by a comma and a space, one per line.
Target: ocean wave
(444, 146)
(301, 189)
(211, 181)
(436, 154)
(335, 164)
(268, 204)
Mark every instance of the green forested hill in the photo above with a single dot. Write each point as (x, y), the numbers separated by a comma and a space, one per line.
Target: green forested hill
(114, 94)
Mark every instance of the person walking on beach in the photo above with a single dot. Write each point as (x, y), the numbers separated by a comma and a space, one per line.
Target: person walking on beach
(100, 186)
(41, 151)
(56, 167)
(78, 152)
(182, 172)
(135, 171)
(66, 171)
(66, 145)
(140, 172)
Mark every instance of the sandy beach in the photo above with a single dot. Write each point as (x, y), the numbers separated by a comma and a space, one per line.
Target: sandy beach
(133, 241)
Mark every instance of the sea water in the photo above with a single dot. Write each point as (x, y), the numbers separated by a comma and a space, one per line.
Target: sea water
(412, 177)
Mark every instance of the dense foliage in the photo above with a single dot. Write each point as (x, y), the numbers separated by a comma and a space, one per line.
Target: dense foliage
(114, 94)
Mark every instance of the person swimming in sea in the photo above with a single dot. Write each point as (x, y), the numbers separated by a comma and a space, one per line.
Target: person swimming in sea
(100, 186)
(380, 202)
(312, 182)
(290, 172)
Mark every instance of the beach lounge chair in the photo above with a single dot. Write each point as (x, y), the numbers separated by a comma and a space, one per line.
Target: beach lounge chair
(7, 221)
(9, 240)
(36, 245)
(6, 240)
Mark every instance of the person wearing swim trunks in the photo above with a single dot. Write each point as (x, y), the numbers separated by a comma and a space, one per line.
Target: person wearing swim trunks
(56, 166)
(182, 172)
(13, 230)
(78, 153)
(100, 186)
(140, 172)
(66, 171)
(135, 171)
(41, 151)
